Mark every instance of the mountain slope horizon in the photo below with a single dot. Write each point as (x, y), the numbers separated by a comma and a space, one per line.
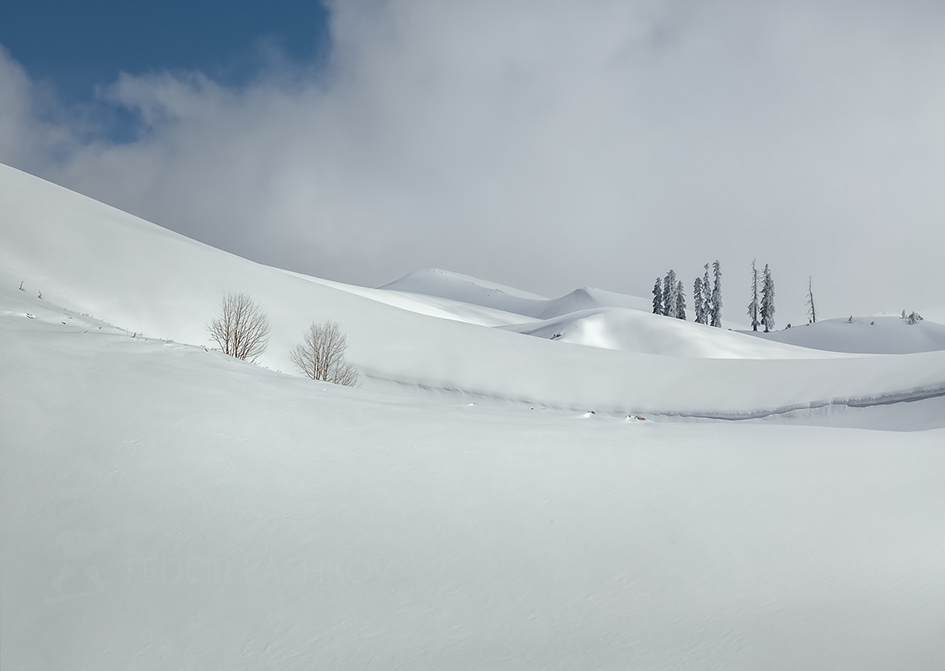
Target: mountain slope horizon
(90, 258)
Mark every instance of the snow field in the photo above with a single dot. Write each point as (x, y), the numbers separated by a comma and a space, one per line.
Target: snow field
(169, 507)
(489, 498)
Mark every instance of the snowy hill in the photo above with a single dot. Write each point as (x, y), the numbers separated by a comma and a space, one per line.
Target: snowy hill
(644, 333)
(934, 314)
(166, 506)
(173, 508)
(869, 335)
(90, 258)
(454, 286)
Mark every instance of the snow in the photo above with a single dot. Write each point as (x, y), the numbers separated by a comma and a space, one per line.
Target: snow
(634, 331)
(487, 499)
(168, 507)
(873, 335)
(457, 286)
(90, 258)
(444, 284)
(934, 313)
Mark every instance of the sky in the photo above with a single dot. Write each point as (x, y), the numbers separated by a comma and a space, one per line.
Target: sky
(544, 144)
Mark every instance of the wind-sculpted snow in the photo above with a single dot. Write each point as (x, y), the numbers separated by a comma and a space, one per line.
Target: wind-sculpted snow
(170, 507)
(89, 258)
(635, 331)
(457, 287)
(870, 335)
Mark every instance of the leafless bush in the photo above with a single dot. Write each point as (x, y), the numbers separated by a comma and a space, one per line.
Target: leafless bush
(242, 329)
(322, 355)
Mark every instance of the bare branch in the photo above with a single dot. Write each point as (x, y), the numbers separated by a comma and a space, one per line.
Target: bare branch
(242, 329)
(321, 355)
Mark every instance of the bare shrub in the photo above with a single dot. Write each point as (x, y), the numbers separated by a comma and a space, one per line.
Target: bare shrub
(242, 329)
(322, 355)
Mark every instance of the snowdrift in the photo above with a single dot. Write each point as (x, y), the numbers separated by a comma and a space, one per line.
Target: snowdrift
(869, 335)
(644, 333)
(93, 259)
(167, 507)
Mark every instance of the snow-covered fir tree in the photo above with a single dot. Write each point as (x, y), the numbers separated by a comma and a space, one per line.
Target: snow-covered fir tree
(753, 305)
(697, 301)
(811, 310)
(658, 297)
(717, 295)
(706, 296)
(680, 301)
(669, 294)
(767, 300)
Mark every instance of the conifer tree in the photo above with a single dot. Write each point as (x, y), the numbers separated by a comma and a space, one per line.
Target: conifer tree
(669, 294)
(811, 310)
(767, 300)
(697, 301)
(658, 297)
(680, 301)
(753, 305)
(706, 296)
(717, 295)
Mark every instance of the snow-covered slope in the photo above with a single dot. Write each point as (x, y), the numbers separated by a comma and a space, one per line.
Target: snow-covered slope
(166, 507)
(454, 286)
(457, 286)
(90, 258)
(635, 331)
(873, 335)
(934, 313)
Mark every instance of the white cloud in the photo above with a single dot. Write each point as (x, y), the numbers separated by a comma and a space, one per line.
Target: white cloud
(553, 144)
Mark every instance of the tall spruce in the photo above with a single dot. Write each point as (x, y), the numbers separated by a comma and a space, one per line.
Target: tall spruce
(680, 301)
(697, 299)
(753, 305)
(717, 295)
(767, 300)
(811, 310)
(658, 297)
(706, 296)
(669, 294)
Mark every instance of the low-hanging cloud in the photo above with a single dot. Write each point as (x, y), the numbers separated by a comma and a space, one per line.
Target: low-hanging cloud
(549, 145)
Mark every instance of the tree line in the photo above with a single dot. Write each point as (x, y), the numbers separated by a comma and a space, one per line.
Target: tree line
(669, 298)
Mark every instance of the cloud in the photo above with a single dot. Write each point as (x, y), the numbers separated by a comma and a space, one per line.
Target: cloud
(551, 145)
